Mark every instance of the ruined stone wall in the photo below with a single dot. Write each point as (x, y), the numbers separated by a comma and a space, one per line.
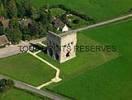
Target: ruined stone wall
(61, 47)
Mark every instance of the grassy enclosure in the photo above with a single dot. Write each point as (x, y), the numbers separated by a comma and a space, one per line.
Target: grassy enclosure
(26, 68)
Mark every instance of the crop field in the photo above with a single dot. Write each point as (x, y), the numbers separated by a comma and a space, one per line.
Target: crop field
(26, 68)
(110, 81)
(98, 9)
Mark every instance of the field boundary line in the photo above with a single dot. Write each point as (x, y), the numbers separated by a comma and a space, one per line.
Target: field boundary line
(57, 76)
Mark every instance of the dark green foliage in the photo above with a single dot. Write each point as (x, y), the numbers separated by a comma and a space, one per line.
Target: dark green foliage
(6, 84)
(64, 18)
(1, 29)
(28, 21)
(2, 10)
(35, 13)
(76, 21)
(41, 30)
(39, 25)
(45, 18)
(11, 8)
(13, 24)
(68, 10)
(14, 35)
(25, 8)
(21, 10)
(13, 32)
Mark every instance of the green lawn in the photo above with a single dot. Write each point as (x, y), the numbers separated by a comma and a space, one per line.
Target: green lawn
(26, 68)
(110, 81)
(98, 9)
(15, 94)
(84, 60)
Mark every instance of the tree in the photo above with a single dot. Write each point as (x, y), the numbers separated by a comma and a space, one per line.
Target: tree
(26, 37)
(1, 29)
(20, 9)
(41, 30)
(49, 16)
(14, 35)
(2, 10)
(6, 84)
(76, 21)
(26, 4)
(33, 29)
(25, 8)
(14, 24)
(45, 18)
(11, 8)
(4, 2)
(35, 13)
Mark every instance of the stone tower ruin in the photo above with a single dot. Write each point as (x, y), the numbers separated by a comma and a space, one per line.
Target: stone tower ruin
(61, 47)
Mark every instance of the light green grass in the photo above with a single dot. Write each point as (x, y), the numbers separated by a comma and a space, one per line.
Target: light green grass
(110, 81)
(26, 68)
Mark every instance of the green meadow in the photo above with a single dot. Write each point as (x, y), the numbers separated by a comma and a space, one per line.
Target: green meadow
(27, 68)
(84, 60)
(110, 81)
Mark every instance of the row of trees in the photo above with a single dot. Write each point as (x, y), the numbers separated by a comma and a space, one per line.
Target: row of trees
(8, 8)
(16, 11)
(11, 8)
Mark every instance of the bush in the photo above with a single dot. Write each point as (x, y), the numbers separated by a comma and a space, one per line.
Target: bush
(76, 21)
(6, 84)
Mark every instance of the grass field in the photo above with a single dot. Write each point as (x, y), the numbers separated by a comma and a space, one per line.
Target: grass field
(98, 9)
(110, 81)
(84, 60)
(26, 68)
(90, 76)
(15, 94)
